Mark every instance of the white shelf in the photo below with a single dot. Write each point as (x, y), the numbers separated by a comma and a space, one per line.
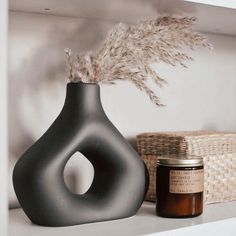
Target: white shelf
(145, 222)
(218, 3)
(212, 18)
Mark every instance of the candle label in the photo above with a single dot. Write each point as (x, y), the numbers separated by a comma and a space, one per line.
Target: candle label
(186, 181)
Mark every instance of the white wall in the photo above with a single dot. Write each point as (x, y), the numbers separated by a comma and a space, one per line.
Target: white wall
(3, 117)
(200, 97)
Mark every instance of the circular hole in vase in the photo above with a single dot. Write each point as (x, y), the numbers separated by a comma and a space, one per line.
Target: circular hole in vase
(78, 174)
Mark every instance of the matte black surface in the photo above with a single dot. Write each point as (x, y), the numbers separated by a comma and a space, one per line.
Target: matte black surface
(120, 178)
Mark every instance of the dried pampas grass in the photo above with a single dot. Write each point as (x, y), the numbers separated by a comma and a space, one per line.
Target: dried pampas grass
(128, 51)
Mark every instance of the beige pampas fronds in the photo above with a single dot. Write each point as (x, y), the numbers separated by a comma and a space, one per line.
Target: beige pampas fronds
(128, 51)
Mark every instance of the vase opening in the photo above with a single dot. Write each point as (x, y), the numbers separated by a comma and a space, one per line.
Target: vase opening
(78, 174)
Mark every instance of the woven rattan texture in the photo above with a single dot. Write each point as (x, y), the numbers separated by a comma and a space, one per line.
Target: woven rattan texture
(218, 150)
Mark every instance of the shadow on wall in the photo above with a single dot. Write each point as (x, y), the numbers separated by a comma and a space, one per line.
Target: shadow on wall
(166, 7)
(37, 89)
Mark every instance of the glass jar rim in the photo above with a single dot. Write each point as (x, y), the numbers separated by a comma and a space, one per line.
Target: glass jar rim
(180, 161)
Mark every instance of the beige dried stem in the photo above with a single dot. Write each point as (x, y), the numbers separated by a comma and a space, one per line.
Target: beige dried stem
(128, 52)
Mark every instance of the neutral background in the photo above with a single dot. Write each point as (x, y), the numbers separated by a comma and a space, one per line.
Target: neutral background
(200, 97)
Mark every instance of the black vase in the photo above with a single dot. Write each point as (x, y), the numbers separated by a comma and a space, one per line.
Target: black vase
(120, 177)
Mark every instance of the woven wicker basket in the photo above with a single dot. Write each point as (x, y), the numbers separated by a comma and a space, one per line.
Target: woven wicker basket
(217, 149)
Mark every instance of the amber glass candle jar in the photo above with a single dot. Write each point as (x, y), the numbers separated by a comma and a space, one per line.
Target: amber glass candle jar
(179, 186)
